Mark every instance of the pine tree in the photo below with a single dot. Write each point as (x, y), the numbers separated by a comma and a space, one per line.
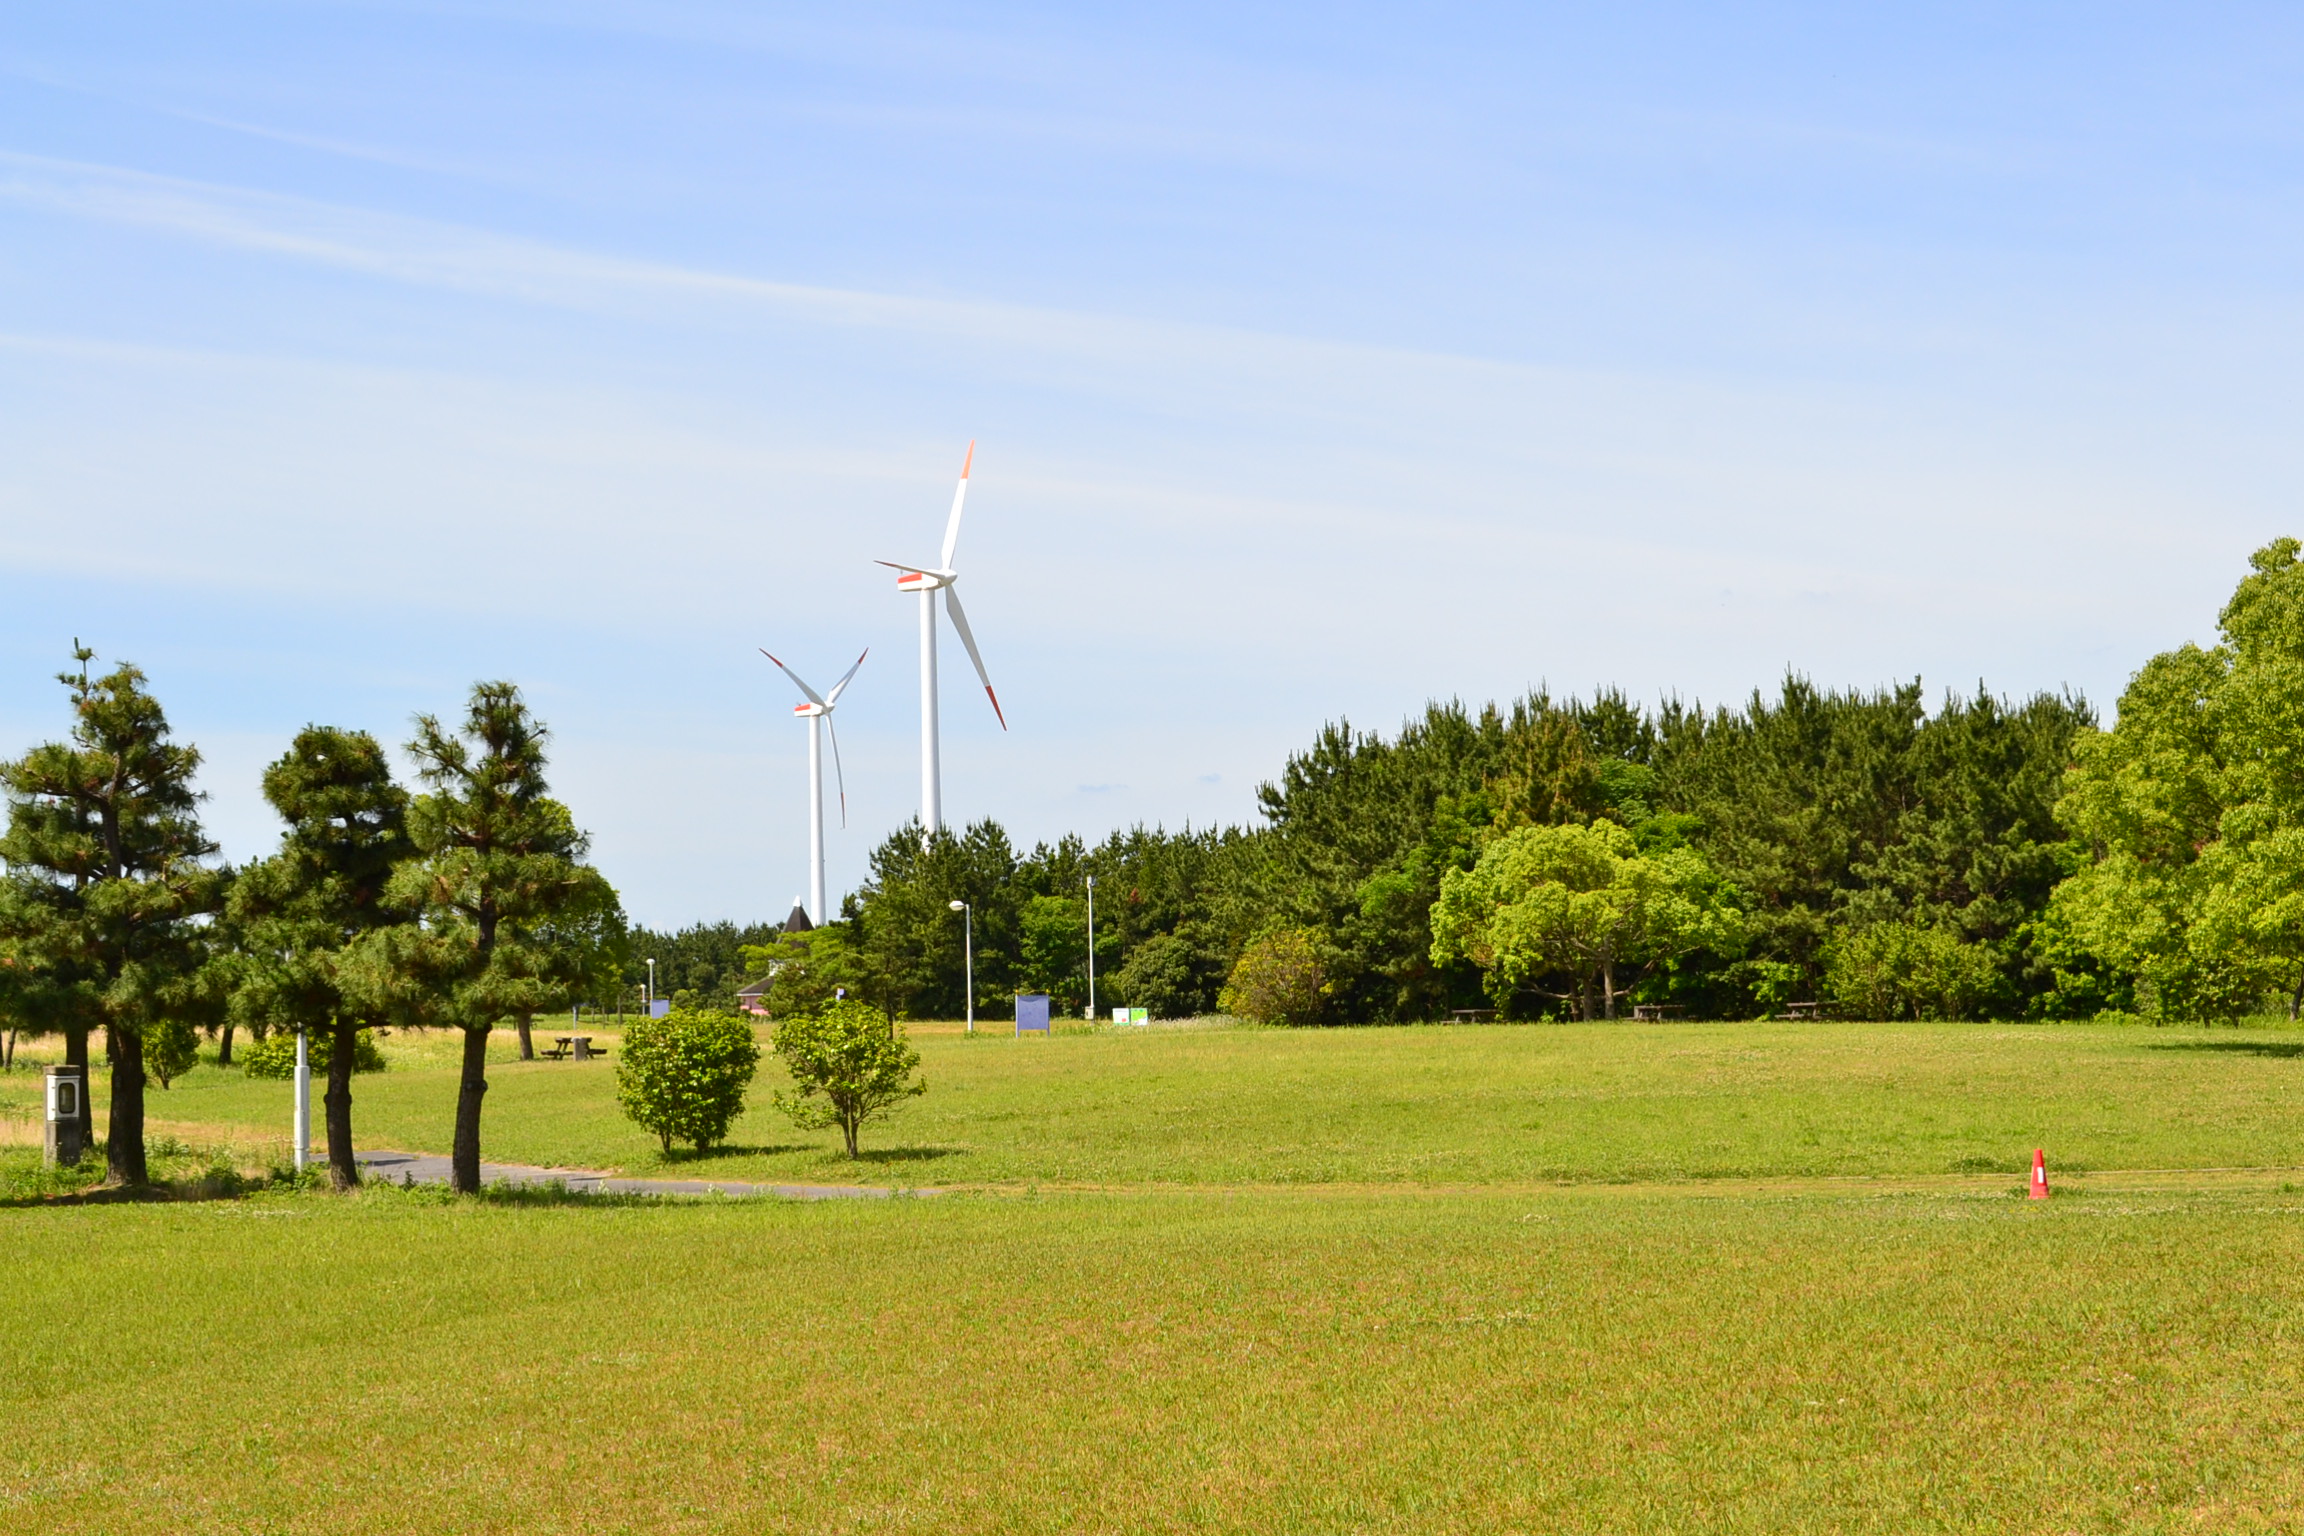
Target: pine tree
(106, 890)
(498, 862)
(299, 911)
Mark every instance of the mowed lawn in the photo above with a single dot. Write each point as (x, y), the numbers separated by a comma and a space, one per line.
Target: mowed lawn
(1415, 1280)
(1271, 1360)
(1431, 1106)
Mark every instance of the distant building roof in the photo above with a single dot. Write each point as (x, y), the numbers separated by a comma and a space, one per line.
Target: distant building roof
(798, 921)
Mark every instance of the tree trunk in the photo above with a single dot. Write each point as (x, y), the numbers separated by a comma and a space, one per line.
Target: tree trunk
(2295, 999)
(124, 1138)
(9, 1065)
(1584, 1001)
(224, 1047)
(464, 1163)
(848, 1129)
(1608, 986)
(527, 1041)
(343, 1167)
(76, 1055)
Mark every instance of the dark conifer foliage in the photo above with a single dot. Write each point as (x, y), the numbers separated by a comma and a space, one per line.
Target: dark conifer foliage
(498, 865)
(298, 913)
(1822, 812)
(107, 890)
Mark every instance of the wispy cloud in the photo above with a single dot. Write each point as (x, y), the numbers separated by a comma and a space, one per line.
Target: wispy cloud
(432, 253)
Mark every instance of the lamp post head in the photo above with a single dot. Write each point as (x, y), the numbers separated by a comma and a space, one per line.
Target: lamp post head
(958, 906)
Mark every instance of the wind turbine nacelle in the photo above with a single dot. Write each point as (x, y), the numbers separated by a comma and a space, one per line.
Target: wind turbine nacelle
(920, 581)
(805, 710)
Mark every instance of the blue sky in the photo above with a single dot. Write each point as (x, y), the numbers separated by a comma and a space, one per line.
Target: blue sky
(1320, 361)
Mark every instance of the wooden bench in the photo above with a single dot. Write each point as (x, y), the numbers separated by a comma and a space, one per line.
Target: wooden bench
(1472, 1015)
(1651, 1013)
(1794, 1012)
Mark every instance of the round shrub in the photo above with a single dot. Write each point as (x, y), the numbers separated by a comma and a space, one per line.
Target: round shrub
(1277, 980)
(274, 1056)
(683, 1076)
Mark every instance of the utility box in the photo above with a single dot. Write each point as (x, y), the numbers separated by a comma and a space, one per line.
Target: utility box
(1031, 1012)
(67, 1100)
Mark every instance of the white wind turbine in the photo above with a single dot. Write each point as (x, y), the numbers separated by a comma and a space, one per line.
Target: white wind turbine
(817, 711)
(925, 580)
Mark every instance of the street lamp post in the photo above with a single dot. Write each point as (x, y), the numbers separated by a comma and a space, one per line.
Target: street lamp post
(968, 951)
(649, 997)
(1091, 948)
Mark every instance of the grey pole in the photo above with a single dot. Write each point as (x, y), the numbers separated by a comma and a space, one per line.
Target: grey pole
(1091, 948)
(968, 941)
(303, 1102)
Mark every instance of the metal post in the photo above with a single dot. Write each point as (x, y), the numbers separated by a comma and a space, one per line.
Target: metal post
(649, 996)
(968, 953)
(1091, 948)
(303, 1102)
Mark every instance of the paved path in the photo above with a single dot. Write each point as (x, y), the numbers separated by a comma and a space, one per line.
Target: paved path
(430, 1168)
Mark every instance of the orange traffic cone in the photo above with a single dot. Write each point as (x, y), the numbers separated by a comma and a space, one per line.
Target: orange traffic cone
(2039, 1174)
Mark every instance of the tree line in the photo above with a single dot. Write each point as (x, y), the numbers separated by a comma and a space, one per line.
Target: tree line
(1561, 857)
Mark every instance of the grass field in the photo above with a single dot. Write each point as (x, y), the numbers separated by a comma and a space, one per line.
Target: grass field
(1744, 1278)
(1471, 1106)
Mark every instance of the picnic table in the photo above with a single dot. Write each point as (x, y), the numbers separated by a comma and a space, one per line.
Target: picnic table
(578, 1046)
(1472, 1015)
(1645, 1013)
(1796, 1011)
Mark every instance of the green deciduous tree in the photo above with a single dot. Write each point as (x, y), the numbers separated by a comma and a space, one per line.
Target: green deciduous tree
(849, 1063)
(107, 894)
(497, 862)
(301, 915)
(171, 1047)
(1579, 905)
(1052, 945)
(683, 1076)
(1279, 979)
(2192, 806)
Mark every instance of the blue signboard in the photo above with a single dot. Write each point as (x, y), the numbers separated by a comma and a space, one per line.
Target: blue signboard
(1031, 1011)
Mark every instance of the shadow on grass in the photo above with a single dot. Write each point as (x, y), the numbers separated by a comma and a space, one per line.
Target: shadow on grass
(906, 1154)
(717, 1154)
(158, 1192)
(2280, 1048)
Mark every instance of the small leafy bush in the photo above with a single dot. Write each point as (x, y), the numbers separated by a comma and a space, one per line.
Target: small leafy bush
(849, 1062)
(683, 1076)
(274, 1056)
(1906, 971)
(1277, 980)
(171, 1047)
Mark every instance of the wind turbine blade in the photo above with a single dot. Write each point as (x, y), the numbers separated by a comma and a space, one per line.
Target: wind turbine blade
(838, 776)
(833, 697)
(960, 623)
(813, 696)
(959, 498)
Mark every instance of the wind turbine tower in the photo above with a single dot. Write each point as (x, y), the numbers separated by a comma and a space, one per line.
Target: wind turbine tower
(816, 709)
(928, 580)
